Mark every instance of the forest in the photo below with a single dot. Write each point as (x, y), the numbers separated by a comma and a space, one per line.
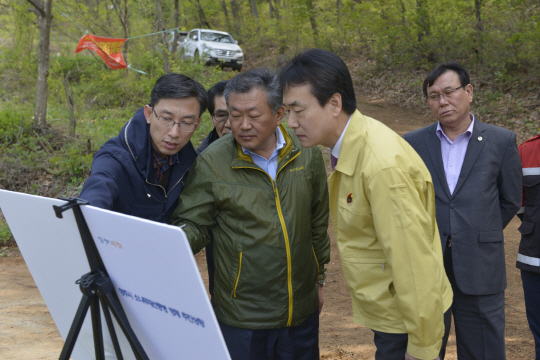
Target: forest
(58, 107)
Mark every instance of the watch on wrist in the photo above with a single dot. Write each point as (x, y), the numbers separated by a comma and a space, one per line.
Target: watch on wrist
(320, 282)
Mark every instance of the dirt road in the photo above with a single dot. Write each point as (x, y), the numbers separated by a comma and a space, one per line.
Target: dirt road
(27, 330)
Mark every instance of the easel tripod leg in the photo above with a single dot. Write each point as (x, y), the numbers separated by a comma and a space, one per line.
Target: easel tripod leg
(75, 328)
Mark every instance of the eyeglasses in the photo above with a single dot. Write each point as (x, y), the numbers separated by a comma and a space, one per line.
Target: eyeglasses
(169, 123)
(221, 116)
(448, 94)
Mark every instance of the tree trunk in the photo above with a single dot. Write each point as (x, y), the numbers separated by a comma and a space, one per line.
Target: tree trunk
(479, 50)
(159, 14)
(477, 10)
(276, 9)
(226, 12)
(338, 7)
(71, 104)
(312, 20)
(403, 11)
(42, 9)
(176, 34)
(235, 10)
(254, 9)
(125, 24)
(423, 20)
(200, 12)
(123, 16)
(271, 9)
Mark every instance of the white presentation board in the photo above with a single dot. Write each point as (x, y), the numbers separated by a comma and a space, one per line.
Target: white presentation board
(150, 264)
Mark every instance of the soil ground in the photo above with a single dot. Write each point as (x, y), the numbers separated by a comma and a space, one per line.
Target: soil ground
(27, 330)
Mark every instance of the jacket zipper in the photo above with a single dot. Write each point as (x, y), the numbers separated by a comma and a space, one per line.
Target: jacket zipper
(285, 234)
(238, 275)
(164, 191)
(146, 180)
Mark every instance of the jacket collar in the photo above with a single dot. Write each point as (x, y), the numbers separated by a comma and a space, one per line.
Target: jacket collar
(351, 145)
(476, 143)
(285, 151)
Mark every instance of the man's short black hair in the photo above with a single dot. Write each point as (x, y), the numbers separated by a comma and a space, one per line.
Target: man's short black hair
(326, 74)
(217, 90)
(177, 86)
(441, 69)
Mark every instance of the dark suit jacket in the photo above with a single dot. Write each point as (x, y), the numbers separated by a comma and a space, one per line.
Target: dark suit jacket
(486, 198)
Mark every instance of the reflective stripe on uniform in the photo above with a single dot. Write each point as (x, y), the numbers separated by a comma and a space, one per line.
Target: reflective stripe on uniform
(529, 260)
(531, 171)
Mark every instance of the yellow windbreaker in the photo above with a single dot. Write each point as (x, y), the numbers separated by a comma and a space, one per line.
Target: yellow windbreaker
(382, 205)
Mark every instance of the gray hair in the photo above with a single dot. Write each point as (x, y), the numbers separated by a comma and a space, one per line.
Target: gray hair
(261, 78)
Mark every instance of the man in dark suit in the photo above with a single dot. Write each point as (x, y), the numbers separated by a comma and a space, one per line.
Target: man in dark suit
(476, 173)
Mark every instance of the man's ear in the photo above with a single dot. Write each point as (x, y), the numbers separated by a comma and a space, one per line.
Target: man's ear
(469, 90)
(147, 113)
(336, 104)
(280, 113)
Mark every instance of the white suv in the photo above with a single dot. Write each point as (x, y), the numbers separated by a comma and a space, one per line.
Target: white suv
(214, 48)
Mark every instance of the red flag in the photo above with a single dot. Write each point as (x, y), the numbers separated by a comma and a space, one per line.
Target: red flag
(109, 49)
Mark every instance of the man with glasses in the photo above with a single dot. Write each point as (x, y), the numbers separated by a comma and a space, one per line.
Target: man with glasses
(217, 107)
(265, 199)
(476, 173)
(141, 172)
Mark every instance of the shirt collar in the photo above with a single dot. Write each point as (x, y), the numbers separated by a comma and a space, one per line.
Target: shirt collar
(162, 164)
(337, 148)
(280, 143)
(468, 132)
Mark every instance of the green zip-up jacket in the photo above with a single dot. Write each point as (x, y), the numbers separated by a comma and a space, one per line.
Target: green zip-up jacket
(270, 237)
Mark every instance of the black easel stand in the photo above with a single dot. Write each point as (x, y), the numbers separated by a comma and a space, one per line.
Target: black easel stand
(97, 290)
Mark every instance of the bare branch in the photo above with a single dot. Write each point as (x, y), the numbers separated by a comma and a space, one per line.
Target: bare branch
(38, 4)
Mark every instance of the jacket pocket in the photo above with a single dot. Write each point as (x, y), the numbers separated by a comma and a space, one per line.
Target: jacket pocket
(238, 271)
(491, 236)
(526, 227)
(372, 289)
(316, 261)
(364, 257)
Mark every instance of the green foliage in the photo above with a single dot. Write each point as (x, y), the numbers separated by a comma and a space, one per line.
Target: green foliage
(15, 121)
(5, 233)
(502, 46)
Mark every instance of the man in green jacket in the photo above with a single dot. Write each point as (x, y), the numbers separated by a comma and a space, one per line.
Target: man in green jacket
(265, 199)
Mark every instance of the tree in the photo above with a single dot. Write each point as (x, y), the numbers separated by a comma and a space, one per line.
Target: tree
(159, 13)
(123, 16)
(176, 24)
(254, 11)
(42, 9)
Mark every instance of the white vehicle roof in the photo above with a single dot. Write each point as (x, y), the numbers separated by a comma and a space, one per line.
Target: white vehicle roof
(214, 31)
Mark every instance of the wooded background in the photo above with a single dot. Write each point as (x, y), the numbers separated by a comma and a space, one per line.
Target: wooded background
(57, 107)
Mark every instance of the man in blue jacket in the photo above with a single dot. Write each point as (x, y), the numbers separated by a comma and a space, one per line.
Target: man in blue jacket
(141, 171)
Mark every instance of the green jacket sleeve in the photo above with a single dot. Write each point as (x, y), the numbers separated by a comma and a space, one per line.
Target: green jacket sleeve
(196, 210)
(319, 213)
(407, 232)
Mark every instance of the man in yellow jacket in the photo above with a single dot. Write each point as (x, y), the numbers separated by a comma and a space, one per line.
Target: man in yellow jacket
(382, 205)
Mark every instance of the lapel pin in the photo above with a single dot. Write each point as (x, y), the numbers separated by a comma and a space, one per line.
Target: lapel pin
(349, 199)
(148, 195)
(479, 138)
